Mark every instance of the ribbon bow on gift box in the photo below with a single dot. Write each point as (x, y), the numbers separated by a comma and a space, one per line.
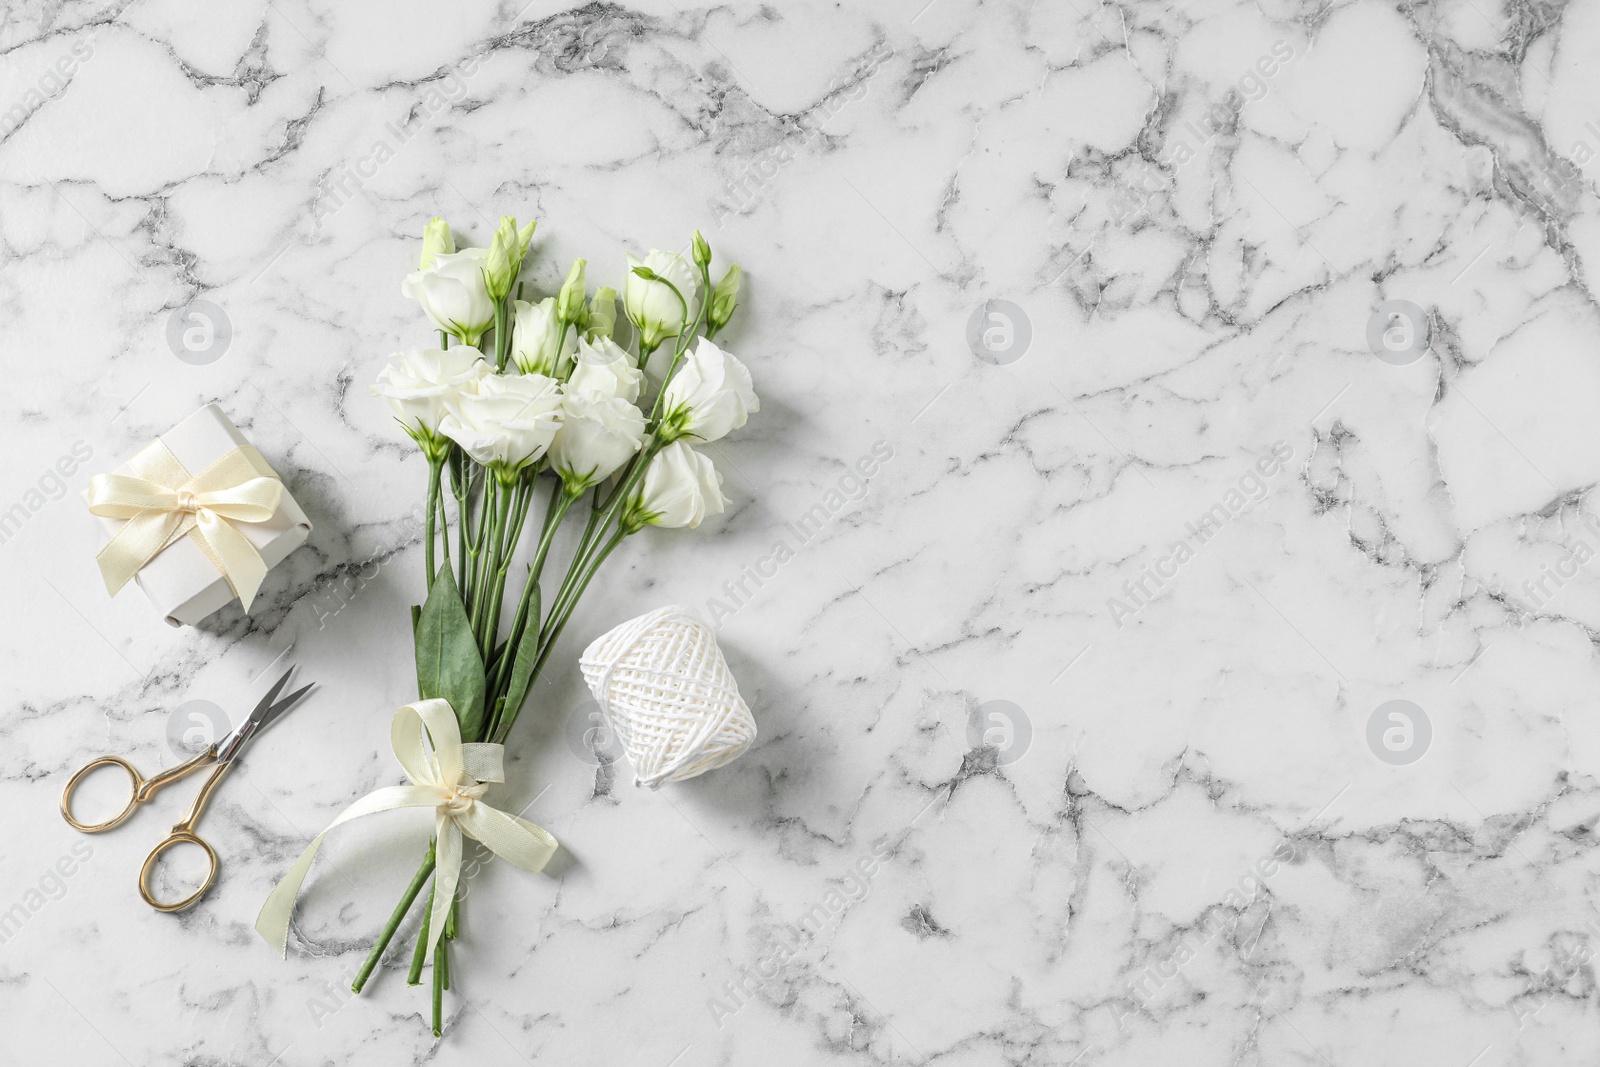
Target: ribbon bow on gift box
(163, 502)
(452, 781)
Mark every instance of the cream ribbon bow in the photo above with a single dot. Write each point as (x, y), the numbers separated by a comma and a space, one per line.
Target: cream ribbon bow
(452, 781)
(163, 502)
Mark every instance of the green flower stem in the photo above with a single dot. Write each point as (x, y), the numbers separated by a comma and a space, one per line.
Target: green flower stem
(472, 595)
(506, 716)
(579, 572)
(560, 501)
(441, 978)
(502, 335)
(435, 468)
(580, 559)
(461, 486)
(598, 505)
(580, 563)
(452, 925)
(389, 928)
(561, 343)
(646, 351)
(685, 335)
(552, 630)
(444, 524)
(602, 520)
(420, 953)
(514, 511)
(553, 627)
(489, 565)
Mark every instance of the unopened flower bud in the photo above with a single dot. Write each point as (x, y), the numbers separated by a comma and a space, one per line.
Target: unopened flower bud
(506, 252)
(724, 299)
(570, 304)
(436, 238)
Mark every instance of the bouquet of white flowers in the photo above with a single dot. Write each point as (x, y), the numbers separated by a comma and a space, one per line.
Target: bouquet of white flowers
(558, 409)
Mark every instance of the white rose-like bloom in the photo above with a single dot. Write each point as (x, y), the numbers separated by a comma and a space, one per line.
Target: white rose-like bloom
(651, 305)
(535, 334)
(507, 421)
(419, 382)
(453, 293)
(597, 436)
(680, 488)
(710, 395)
(603, 369)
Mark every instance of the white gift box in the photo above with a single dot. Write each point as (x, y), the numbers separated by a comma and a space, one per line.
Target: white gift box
(180, 581)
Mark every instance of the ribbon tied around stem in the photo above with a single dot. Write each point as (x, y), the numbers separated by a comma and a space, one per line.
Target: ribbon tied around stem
(163, 503)
(452, 779)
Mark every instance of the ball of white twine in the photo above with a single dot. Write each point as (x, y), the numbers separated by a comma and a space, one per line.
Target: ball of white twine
(662, 682)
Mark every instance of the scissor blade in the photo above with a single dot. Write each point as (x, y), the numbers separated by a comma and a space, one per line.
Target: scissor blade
(272, 694)
(261, 716)
(270, 716)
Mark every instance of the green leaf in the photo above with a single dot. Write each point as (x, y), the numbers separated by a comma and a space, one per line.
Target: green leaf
(522, 668)
(448, 662)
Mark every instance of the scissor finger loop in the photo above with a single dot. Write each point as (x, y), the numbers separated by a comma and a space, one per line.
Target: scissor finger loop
(135, 780)
(177, 837)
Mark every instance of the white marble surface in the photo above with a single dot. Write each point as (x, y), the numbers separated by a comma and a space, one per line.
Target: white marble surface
(1198, 271)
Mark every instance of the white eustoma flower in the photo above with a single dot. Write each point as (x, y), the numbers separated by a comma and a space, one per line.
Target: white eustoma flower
(680, 488)
(419, 382)
(603, 369)
(710, 395)
(453, 293)
(597, 436)
(651, 305)
(507, 421)
(537, 345)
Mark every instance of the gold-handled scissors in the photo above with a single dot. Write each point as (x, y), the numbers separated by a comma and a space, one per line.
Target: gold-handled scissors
(223, 753)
